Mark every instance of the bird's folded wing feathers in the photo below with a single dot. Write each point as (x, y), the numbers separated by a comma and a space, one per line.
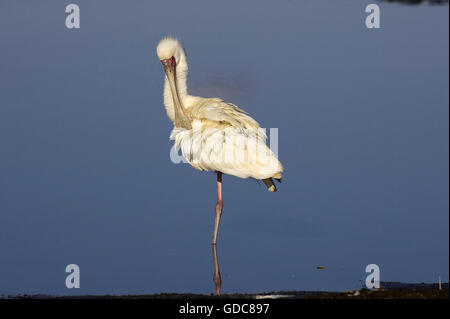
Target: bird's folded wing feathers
(215, 109)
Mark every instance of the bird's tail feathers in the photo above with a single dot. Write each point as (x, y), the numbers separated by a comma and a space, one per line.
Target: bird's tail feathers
(270, 185)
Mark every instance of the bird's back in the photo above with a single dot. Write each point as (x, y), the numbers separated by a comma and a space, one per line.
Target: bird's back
(225, 138)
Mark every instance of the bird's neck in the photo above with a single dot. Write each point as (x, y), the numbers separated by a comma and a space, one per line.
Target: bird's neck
(181, 82)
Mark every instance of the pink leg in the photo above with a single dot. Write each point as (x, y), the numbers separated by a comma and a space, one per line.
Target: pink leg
(217, 278)
(219, 207)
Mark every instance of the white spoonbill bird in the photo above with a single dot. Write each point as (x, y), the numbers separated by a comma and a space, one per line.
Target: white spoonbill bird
(213, 135)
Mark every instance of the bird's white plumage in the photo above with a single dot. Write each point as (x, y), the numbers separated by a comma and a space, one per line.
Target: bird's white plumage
(223, 137)
(241, 153)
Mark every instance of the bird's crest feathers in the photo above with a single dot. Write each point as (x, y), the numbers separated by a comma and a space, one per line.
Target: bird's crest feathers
(169, 47)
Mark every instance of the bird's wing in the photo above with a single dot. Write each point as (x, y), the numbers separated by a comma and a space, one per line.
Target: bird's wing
(215, 109)
(230, 142)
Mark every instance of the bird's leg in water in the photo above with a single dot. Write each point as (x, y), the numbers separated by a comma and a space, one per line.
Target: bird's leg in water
(218, 210)
(217, 279)
(219, 207)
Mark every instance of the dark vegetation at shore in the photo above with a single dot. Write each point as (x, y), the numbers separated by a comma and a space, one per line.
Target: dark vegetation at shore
(389, 290)
(419, 1)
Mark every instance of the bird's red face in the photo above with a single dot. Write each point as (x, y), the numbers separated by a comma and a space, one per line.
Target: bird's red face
(169, 62)
(169, 67)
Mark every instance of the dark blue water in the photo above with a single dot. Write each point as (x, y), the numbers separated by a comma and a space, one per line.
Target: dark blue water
(85, 172)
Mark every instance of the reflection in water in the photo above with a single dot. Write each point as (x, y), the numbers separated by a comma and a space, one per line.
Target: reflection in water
(217, 279)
